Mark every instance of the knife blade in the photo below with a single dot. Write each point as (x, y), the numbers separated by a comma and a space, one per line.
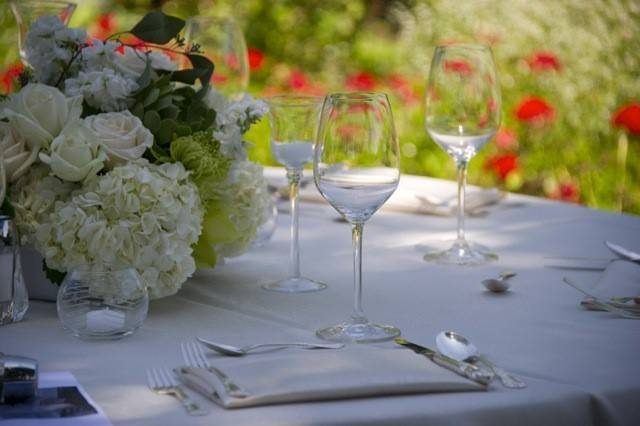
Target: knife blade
(472, 372)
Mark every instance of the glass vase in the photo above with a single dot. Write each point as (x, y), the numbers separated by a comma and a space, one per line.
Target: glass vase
(102, 303)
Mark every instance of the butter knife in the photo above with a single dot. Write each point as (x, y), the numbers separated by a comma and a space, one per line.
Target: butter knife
(472, 372)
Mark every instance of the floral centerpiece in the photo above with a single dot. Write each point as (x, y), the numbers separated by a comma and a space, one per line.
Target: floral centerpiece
(116, 156)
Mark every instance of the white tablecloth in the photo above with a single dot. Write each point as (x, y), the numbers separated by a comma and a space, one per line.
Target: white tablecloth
(581, 367)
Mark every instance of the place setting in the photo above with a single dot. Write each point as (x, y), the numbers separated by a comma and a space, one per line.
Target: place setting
(176, 249)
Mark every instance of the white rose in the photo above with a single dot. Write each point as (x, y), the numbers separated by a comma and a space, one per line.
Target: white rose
(17, 155)
(38, 113)
(133, 62)
(121, 135)
(74, 156)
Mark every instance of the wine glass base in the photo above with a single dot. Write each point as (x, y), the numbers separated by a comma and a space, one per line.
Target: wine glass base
(462, 253)
(358, 332)
(295, 285)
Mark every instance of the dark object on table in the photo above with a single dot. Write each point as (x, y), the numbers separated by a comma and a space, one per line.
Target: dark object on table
(18, 378)
(49, 403)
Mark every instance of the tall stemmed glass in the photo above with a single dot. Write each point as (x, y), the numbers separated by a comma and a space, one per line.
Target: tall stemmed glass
(222, 41)
(356, 169)
(27, 12)
(293, 121)
(462, 114)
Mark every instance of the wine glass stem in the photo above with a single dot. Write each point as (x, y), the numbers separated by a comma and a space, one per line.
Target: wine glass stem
(294, 176)
(356, 233)
(462, 182)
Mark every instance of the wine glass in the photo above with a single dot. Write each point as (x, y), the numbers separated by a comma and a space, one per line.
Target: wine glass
(222, 41)
(3, 181)
(27, 12)
(293, 121)
(462, 114)
(356, 169)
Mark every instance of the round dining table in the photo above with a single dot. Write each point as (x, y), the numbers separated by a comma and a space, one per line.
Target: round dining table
(581, 367)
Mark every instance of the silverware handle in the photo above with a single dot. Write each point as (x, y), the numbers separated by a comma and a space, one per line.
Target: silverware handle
(192, 407)
(508, 380)
(464, 369)
(296, 344)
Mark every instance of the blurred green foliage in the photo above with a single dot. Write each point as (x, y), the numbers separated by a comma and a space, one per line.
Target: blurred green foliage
(581, 58)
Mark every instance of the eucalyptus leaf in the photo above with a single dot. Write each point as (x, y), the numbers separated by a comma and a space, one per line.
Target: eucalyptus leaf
(158, 28)
(152, 121)
(153, 96)
(145, 78)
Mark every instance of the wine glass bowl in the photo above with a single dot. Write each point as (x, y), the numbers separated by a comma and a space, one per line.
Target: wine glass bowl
(27, 12)
(462, 113)
(356, 169)
(293, 121)
(221, 40)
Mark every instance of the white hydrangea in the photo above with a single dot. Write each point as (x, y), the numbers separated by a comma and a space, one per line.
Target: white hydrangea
(33, 196)
(49, 46)
(100, 56)
(139, 214)
(245, 189)
(105, 90)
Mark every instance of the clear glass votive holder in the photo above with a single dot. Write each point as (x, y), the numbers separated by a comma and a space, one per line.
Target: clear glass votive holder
(100, 303)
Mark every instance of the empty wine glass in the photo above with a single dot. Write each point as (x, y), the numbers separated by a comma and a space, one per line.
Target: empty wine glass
(222, 41)
(27, 12)
(293, 121)
(462, 115)
(356, 169)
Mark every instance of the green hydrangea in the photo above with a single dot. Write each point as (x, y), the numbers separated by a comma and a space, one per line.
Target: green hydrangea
(200, 153)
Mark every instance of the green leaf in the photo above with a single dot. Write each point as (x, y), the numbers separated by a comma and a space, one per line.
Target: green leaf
(171, 112)
(145, 78)
(152, 121)
(53, 275)
(158, 28)
(153, 96)
(160, 155)
(162, 103)
(166, 131)
(138, 111)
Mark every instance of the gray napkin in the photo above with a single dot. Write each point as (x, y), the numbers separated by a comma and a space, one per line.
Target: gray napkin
(621, 278)
(310, 375)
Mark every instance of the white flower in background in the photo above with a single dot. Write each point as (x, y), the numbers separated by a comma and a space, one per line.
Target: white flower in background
(49, 47)
(233, 119)
(139, 214)
(100, 56)
(120, 134)
(246, 191)
(75, 156)
(105, 90)
(38, 113)
(16, 153)
(133, 62)
(33, 196)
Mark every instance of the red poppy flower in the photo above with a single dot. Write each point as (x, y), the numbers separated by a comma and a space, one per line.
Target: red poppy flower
(256, 59)
(502, 164)
(460, 67)
(628, 117)
(544, 61)
(362, 81)
(297, 80)
(506, 139)
(9, 75)
(402, 88)
(566, 191)
(534, 109)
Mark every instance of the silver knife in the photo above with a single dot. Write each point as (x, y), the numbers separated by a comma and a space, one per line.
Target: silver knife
(472, 372)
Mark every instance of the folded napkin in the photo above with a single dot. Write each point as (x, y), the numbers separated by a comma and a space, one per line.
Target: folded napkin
(403, 200)
(310, 375)
(621, 278)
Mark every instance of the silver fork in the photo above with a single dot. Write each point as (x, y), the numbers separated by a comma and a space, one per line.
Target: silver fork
(194, 356)
(162, 382)
(598, 303)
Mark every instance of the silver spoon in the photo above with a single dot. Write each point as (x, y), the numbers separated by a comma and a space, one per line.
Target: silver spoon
(458, 347)
(499, 285)
(236, 351)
